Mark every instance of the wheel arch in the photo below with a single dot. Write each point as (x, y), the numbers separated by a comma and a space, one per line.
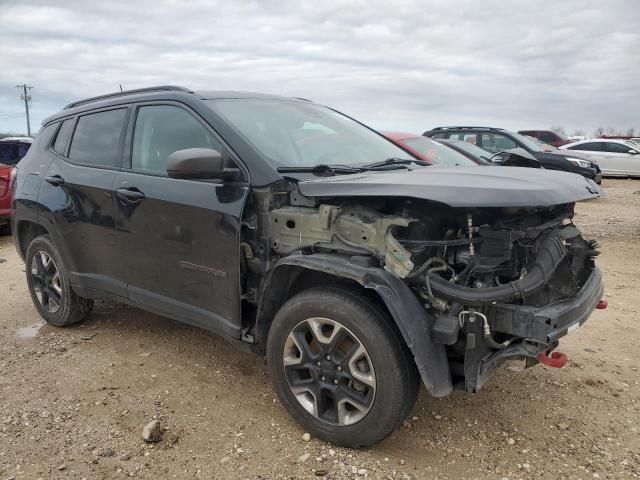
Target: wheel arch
(295, 273)
(25, 232)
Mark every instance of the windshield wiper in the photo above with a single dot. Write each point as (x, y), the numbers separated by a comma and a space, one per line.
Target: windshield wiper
(393, 162)
(321, 169)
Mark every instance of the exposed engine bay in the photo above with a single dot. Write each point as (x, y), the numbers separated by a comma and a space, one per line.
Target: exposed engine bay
(484, 274)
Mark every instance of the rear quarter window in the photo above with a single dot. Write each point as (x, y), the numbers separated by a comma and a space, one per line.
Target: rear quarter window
(62, 138)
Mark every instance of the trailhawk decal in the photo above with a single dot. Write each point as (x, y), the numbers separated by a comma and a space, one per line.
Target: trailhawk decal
(203, 268)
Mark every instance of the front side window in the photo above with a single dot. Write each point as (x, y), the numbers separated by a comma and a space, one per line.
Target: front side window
(162, 130)
(618, 147)
(63, 136)
(292, 133)
(97, 140)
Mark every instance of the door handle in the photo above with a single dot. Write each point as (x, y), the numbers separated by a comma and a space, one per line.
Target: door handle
(55, 180)
(131, 195)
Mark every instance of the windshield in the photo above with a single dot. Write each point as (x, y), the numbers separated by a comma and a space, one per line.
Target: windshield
(474, 150)
(435, 152)
(11, 153)
(301, 134)
(528, 143)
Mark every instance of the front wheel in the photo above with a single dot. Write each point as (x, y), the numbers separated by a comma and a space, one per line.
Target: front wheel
(340, 368)
(49, 285)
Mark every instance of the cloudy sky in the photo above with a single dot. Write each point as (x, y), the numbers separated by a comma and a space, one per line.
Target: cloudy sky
(402, 64)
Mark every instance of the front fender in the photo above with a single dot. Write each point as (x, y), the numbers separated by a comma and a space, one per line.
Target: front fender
(413, 321)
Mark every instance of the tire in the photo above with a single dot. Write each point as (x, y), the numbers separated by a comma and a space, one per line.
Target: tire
(49, 286)
(363, 397)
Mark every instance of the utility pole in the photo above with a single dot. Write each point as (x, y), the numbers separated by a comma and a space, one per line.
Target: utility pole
(24, 95)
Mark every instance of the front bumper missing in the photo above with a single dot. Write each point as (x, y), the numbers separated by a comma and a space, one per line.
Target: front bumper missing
(539, 327)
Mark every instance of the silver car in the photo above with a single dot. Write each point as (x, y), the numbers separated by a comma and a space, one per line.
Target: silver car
(615, 157)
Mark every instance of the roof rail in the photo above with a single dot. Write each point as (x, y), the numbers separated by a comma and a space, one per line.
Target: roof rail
(466, 126)
(160, 88)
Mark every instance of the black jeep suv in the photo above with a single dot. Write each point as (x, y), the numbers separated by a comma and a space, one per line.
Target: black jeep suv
(294, 230)
(497, 140)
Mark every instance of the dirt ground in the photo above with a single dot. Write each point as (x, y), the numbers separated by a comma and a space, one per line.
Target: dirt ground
(74, 401)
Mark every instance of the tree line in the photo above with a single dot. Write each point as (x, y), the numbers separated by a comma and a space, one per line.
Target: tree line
(598, 132)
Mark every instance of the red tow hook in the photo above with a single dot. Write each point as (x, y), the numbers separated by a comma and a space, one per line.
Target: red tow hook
(556, 360)
(602, 304)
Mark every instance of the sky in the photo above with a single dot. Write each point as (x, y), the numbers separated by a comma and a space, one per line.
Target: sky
(399, 65)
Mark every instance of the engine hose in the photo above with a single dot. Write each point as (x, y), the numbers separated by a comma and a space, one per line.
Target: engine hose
(550, 253)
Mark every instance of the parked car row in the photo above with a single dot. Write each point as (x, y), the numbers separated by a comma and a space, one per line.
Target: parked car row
(497, 140)
(294, 231)
(490, 146)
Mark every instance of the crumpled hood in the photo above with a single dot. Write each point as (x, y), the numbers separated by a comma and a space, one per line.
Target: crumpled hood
(459, 186)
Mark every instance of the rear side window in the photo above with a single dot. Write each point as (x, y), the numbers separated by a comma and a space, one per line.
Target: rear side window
(496, 143)
(547, 137)
(162, 130)
(63, 136)
(589, 147)
(98, 139)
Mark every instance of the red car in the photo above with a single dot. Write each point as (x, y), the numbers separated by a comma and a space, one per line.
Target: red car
(427, 149)
(547, 136)
(12, 149)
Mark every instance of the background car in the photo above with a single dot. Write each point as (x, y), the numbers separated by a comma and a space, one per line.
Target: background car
(429, 150)
(496, 140)
(12, 149)
(615, 157)
(547, 136)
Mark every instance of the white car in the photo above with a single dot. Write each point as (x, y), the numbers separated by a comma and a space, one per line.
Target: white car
(615, 157)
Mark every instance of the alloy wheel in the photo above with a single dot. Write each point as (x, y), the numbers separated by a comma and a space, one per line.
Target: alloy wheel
(329, 371)
(45, 281)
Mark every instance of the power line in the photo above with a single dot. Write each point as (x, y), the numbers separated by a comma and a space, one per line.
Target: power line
(24, 95)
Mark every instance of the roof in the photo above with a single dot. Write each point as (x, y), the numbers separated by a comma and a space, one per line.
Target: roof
(397, 136)
(228, 94)
(459, 127)
(17, 139)
(162, 92)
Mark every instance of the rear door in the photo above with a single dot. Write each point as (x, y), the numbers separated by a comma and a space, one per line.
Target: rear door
(182, 236)
(621, 160)
(77, 192)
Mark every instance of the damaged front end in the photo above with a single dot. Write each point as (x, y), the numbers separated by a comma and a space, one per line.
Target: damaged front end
(469, 287)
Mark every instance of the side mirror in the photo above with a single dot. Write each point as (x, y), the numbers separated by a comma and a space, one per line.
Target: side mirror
(195, 163)
(633, 152)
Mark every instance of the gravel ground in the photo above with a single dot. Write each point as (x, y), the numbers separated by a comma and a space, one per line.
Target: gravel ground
(74, 401)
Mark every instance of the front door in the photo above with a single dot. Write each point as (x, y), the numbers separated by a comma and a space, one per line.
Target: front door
(620, 159)
(182, 236)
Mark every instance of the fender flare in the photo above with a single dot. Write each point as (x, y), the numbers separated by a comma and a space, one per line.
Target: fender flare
(413, 321)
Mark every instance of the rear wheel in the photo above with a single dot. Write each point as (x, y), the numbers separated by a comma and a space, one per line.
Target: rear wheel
(49, 285)
(340, 368)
